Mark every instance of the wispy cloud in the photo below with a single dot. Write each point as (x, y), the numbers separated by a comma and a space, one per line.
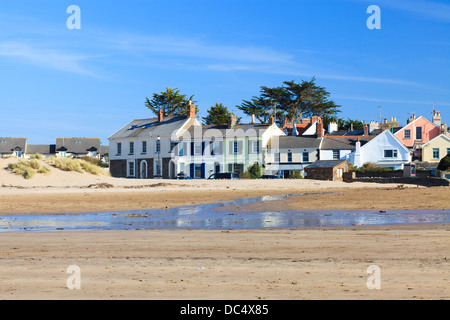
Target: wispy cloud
(23, 51)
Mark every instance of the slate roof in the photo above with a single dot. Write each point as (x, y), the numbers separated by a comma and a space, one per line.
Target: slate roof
(325, 164)
(77, 145)
(8, 145)
(343, 142)
(238, 131)
(150, 128)
(298, 142)
(104, 150)
(41, 148)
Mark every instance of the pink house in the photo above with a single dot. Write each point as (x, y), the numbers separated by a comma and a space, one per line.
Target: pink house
(419, 131)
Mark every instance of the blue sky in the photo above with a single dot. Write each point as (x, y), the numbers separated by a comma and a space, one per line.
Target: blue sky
(57, 82)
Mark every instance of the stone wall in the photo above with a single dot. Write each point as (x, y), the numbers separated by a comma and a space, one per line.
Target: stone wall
(422, 181)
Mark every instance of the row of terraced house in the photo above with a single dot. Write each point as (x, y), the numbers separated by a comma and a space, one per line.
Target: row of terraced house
(165, 147)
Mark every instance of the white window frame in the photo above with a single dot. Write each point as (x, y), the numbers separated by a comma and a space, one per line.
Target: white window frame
(119, 148)
(198, 148)
(131, 169)
(255, 146)
(131, 145)
(394, 154)
(438, 153)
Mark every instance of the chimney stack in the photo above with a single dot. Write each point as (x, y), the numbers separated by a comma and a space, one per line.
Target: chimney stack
(160, 116)
(271, 120)
(319, 128)
(332, 127)
(232, 119)
(253, 119)
(437, 118)
(366, 130)
(191, 110)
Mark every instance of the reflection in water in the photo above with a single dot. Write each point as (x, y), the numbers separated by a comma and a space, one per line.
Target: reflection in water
(208, 217)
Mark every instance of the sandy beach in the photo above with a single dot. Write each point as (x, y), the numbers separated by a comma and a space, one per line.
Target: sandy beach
(312, 263)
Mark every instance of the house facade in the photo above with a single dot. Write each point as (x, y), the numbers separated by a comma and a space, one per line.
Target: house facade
(77, 147)
(419, 131)
(14, 147)
(384, 150)
(291, 153)
(434, 150)
(143, 148)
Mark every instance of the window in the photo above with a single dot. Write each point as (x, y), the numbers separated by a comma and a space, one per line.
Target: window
(435, 153)
(198, 171)
(158, 146)
(93, 154)
(180, 149)
(18, 154)
(172, 145)
(305, 156)
(289, 157)
(63, 154)
(235, 147)
(255, 146)
(158, 167)
(419, 133)
(119, 148)
(198, 148)
(336, 154)
(448, 150)
(407, 134)
(131, 147)
(144, 147)
(131, 169)
(216, 148)
(276, 157)
(182, 167)
(390, 153)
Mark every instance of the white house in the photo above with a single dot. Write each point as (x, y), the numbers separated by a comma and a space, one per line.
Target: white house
(384, 150)
(144, 148)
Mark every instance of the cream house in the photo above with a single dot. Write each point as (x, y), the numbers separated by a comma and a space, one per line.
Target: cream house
(436, 149)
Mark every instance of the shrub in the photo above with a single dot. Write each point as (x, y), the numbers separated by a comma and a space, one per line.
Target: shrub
(296, 175)
(444, 164)
(246, 175)
(254, 171)
(371, 167)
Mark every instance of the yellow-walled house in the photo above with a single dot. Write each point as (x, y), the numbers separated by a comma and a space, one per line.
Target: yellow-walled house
(436, 149)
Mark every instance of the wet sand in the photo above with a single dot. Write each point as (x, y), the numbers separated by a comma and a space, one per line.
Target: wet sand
(324, 263)
(312, 263)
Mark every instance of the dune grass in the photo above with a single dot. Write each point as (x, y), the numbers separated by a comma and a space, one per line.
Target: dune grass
(78, 165)
(28, 168)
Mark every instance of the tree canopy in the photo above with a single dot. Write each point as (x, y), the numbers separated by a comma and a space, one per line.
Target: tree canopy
(218, 115)
(171, 102)
(292, 101)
